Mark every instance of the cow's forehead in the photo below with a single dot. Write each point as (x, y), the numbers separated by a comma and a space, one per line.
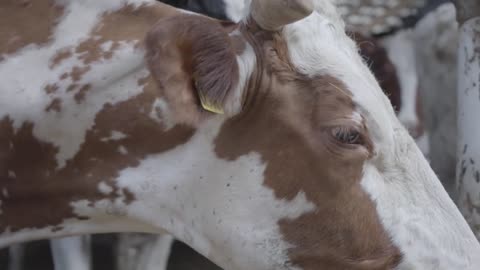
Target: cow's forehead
(318, 45)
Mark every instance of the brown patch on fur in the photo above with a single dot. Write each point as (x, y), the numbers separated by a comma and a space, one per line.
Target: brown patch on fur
(127, 24)
(239, 44)
(72, 87)
(46, 193)
(55, 105)
(78, 72)
(192, 57)
(287, 121)
(60, 56)
(80, 95)
(26, 22)
(64, 76)
(51, 88)
(143, 81)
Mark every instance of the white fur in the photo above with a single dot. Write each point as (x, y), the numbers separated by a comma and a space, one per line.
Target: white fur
(114, 136)
(104, 188)
(161, 114)
(246, 64)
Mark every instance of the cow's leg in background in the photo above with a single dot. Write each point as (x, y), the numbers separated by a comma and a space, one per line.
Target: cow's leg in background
(143, 251)
(71, 253)
(401, 51)
(159, 253)
(16, 257)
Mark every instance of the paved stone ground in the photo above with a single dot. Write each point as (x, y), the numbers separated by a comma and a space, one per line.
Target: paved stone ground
(39, 257)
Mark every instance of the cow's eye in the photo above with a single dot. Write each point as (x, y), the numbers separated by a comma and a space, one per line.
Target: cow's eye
(347, 135)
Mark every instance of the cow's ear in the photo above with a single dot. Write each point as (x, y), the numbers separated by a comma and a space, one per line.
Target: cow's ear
(193, 61)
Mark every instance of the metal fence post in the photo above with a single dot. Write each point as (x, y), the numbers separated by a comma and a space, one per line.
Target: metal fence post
(468, 87)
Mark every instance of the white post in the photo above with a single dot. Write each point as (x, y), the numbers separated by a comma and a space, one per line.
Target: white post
(71, 253)
(468, 167)
(16, 257)
(143, 251)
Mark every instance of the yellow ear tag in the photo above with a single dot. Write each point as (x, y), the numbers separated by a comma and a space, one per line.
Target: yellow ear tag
(209, 106)
(206, 104)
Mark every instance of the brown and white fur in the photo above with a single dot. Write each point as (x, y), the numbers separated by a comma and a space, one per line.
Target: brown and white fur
(301, 165)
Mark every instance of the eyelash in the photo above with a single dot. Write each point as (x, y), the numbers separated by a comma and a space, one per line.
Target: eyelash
(347, 135)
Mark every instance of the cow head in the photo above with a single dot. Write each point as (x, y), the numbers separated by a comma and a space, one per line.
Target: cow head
(312, 167)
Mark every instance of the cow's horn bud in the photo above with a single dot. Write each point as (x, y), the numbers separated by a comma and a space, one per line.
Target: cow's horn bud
(272, 15)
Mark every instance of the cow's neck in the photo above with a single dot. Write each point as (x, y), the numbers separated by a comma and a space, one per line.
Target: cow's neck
(173, 190)
(93, 116)
(100, 188)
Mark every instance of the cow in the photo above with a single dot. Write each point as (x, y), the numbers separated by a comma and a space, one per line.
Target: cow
(266, 144)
